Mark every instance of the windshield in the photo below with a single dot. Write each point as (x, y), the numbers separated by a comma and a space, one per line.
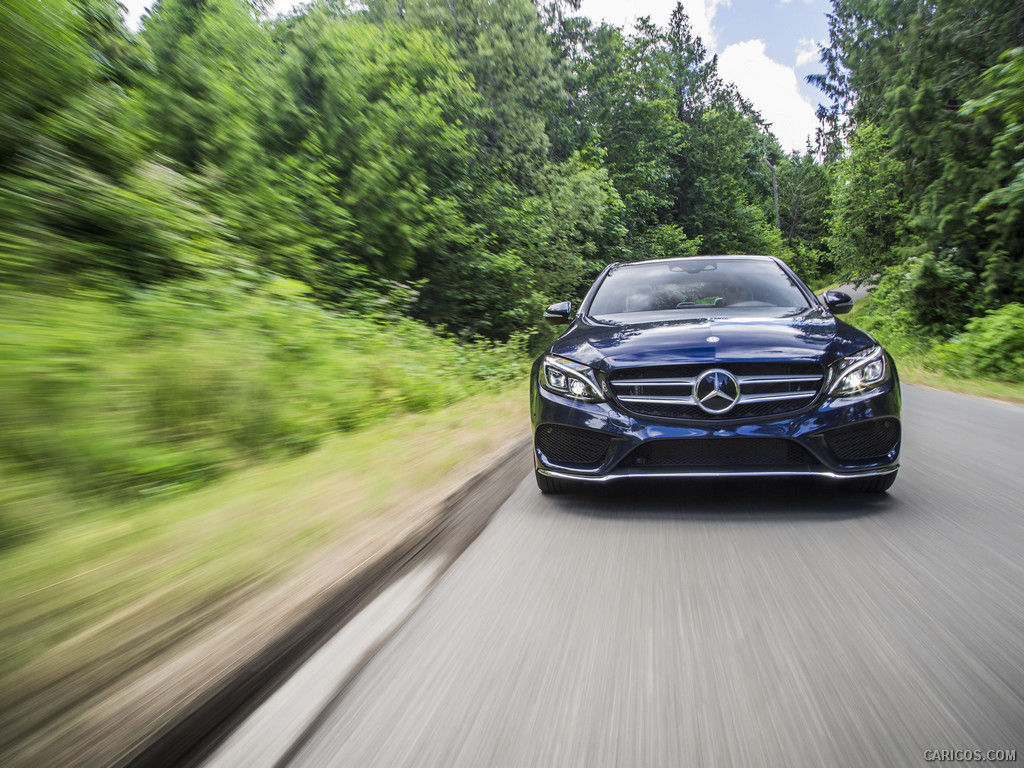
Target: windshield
(696, 285)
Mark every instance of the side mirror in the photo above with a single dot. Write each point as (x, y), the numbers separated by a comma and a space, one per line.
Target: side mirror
(558, 314)
(838, 303)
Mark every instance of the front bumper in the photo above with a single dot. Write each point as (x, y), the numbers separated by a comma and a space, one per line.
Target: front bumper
(813, 441)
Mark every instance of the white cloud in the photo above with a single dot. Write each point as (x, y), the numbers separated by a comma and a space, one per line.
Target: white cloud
(806, 51)
(772, 88)
(134, 10)
(701, 14)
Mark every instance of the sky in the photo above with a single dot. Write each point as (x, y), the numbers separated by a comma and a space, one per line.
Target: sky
(766, 47)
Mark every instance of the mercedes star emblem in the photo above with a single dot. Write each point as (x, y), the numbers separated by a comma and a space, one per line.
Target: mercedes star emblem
(716, 391)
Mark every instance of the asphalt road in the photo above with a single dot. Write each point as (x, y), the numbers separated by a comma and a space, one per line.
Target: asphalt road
(721, 624)
(856, 292)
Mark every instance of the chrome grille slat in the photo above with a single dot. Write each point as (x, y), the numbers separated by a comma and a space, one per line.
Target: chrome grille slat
(686, 382)
(690, 401)
(773, 396)
(658, 399)
(775, 379)
(753, 401)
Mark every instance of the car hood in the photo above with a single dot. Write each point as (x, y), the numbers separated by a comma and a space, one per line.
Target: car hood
(665, 338)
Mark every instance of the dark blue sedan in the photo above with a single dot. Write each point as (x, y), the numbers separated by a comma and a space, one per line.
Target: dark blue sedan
(712, 366)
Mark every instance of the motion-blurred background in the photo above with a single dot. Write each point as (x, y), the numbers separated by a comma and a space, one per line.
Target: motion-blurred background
(226, 237)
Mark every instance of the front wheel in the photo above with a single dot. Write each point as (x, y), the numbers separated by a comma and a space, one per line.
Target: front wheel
(553, 484)
(873, 484)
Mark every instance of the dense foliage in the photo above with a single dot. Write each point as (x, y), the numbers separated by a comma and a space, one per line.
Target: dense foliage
(103, 399)
(991, 346)
(926, 107)
(496, 155)
(220, 234)
(225, 235)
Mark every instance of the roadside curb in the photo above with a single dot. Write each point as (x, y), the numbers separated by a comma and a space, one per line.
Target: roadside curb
(177, 708)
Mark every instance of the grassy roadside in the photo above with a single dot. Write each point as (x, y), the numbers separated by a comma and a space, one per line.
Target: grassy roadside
(82, 588)
(916, 368)
(913, 371)
(107, 400)
(857, 307)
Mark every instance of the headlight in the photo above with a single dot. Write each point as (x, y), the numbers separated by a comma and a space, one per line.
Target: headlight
(564, 377)
(860, 371)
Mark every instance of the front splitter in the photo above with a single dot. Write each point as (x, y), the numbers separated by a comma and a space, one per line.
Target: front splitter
(716, 473)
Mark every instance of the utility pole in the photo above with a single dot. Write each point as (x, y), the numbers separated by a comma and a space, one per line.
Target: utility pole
(775, 182)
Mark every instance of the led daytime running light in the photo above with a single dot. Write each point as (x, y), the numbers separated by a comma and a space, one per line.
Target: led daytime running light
(571, 379)
(860, 371)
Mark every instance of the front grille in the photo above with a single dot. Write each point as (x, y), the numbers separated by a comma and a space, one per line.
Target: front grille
(765, 389)
(723, 452)
(569, 445)
(863, 441)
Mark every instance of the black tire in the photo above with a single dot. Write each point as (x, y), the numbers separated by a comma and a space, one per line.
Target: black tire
(553, 484)
(873, 484)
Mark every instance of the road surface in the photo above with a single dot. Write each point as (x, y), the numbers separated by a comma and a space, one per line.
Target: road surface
(856, 292)
(721, 624)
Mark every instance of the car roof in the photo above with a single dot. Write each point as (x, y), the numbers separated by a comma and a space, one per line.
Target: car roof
(679, 259)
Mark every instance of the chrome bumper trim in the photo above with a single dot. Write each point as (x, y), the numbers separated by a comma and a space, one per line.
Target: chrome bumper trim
(764, 473)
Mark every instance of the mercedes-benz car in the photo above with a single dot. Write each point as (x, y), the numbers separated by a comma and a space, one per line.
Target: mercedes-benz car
(712, 366)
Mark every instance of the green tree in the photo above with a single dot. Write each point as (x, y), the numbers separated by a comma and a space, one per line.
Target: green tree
(382, 110)
(506, 52)
(722, 189)
(627, 105)
(212, 106)
(45, 62)
(868, 214)
(805, 199)
(1003, 206)
(683, 150)
(909, 68)
(79, 196)
(521, 218)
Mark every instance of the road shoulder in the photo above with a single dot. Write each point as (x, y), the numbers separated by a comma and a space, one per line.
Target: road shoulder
(153, 712)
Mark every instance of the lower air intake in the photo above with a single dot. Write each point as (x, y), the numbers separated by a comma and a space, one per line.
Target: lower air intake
(864, 441)
(720, 452)
(569, 445)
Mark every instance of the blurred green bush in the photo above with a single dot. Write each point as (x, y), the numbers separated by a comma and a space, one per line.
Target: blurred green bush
(990, 346)
(916, 321)
(108, 399)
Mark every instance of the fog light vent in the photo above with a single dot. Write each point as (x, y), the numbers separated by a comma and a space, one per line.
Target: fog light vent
(569, 445)
(864, 441)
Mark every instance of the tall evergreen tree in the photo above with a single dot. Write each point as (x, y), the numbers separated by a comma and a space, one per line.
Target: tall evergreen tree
(722, 188)
(629, 113)
(1002, 207)
(868, 212)
(909, 68)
